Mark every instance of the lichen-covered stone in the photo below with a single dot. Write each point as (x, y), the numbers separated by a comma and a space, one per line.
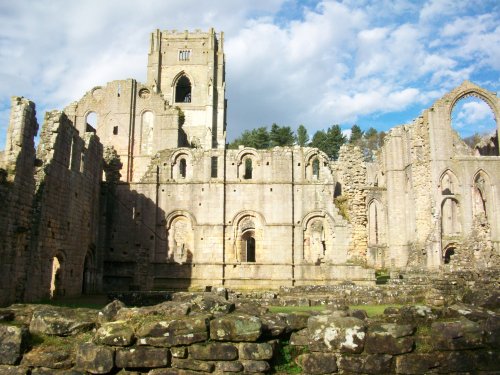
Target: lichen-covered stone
(329, 333)
(193, 364)
(416, 363)
(13, 370)
(273, 325)
(175, 332)
(213, 352)
(228, 366)
(58, 321)
(236, 328)
(255, 351)
(256, 366)
(205, 302)
(93, 358)
(50, 357)
(13, 341)
(179, 351)
(389, 339)
(117, 333)
(109, 312)
(318, 363)
(142, 357)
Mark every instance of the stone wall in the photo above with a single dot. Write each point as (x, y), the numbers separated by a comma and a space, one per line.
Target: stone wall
(17, 185)
(206, 333)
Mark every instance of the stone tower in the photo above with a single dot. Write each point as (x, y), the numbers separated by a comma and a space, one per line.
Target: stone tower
(187, 68)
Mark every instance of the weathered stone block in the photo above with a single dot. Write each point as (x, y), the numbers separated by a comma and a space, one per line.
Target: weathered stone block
(318, 363)
(193, 364)
(183, 331)
(213, 352)
(273, 325)
(389, 339)
(329, 333)
(179, 352)
(457, 335)
(236, 328)
(50, 357)
(12, 344)
(6, 315)
(13, 370)
(487, 360)
(296, 321)
(94, 358)
(116, 333)
(61, 321)
(300, 338)
(366, 364)
(140, 357)
(256, 366)
(109, 312)
(255, 351)
(228, 366)
(416, 363)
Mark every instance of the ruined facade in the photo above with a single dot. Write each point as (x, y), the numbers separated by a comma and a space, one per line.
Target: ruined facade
(132, 188)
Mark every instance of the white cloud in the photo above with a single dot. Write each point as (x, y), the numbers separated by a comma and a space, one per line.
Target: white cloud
(336, 63)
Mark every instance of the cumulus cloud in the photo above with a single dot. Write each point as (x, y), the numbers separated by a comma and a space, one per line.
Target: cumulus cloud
(288, 61)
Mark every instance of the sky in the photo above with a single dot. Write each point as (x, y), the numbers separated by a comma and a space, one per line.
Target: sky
(312, 62)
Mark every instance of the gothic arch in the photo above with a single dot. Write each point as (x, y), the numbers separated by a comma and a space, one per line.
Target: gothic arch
(482, 195)
(57, 277)
(89, 281)
(180, 236)
(182, 87)
(448, 183)
(318, 235)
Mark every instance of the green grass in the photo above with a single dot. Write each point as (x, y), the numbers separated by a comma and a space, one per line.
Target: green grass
(284, 360)
(371, 310)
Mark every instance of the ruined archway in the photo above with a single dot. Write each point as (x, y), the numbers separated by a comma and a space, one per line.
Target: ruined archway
(248, 237)
(57, 276)
(318, 236)
(89, 273)
(451, 220)
(180, 238)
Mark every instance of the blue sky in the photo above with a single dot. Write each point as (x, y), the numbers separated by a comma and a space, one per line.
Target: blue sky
(317, 63)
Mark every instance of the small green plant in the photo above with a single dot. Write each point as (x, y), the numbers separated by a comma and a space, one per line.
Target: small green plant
(342, 204)
(284, 360)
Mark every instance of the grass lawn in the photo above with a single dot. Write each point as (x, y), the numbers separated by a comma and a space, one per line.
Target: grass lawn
(371, 310)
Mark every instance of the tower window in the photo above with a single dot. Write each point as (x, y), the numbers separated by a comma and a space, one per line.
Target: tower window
(214, 162)
(182, 168)
(315, 167)
(115, 130)
(183, 90)
(184, 55)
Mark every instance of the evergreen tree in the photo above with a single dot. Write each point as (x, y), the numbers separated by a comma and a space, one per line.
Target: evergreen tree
(330, 141)
(302, 136)
(356, 135)
(281, 136)
(256, 138)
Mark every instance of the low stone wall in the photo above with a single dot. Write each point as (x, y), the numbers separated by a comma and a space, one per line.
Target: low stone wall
(207, 333)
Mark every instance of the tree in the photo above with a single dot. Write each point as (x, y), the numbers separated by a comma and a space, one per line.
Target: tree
(372, 140)
(356, 135)
(302, 136)
(330, 141)
(256, 138)
(281, 136)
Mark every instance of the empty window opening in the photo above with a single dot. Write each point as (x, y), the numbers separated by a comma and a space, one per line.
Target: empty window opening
(182, 168)
(475, 122)
(115, 130)
(183, 90)
(89, 274)
(214, 162)
(184, 55)
(315, 166)
(373, 222)
(119, 90)
(91, 122)
(249, 247)
(56, 278)
(248, 169)
(448, 255)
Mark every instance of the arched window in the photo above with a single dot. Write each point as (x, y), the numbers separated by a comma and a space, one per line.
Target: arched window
(248, 169)
(182, 168)
(91, 122)
(373, 223)
(183, 90)
(315, 166)
(56, 280)
(450, 217)
(448, 254)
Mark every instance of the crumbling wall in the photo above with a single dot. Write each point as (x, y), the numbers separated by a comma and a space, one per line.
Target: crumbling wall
(65, 209)
(16, 191)
(352, 174)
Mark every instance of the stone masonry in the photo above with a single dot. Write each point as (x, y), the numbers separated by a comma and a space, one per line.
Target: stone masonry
(167, 206)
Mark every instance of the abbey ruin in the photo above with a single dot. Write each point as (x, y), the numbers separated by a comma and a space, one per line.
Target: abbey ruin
(133, 188)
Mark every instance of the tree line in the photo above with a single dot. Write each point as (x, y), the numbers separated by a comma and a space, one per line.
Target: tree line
(329, 141)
